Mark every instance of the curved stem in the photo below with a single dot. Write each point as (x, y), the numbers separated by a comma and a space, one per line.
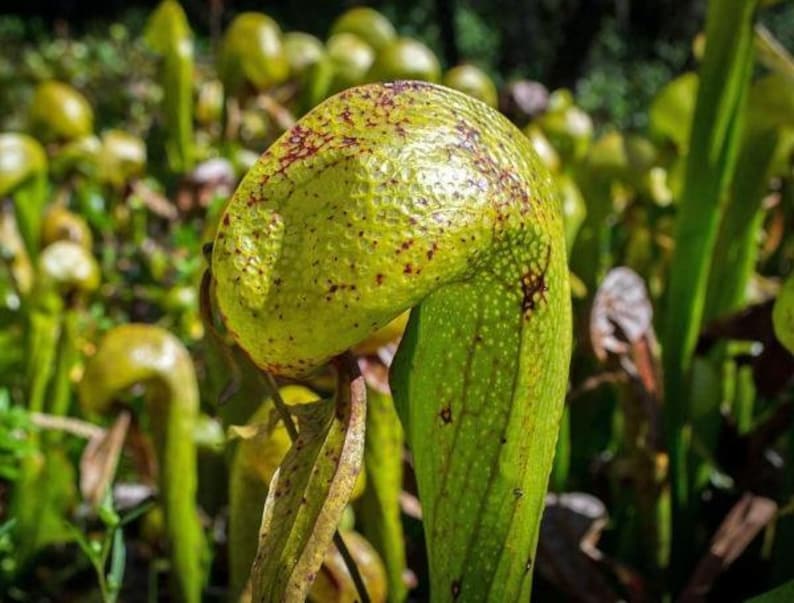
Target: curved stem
(281, 407)
(408, 195)
(145, 354)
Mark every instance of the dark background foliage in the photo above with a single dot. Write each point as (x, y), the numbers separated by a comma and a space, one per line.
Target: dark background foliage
(615, 54)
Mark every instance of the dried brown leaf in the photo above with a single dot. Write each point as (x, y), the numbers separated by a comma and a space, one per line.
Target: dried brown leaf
(376, 373)
(622, 313)
(155, 202)
(100, 459)
(742, 524)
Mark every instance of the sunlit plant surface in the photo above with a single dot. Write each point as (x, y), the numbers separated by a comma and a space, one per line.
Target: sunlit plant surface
(326, 319)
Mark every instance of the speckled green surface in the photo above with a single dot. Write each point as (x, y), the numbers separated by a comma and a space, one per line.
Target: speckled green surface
(392, 196)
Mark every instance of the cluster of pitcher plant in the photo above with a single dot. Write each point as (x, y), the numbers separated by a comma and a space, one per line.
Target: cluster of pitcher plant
(140, 435)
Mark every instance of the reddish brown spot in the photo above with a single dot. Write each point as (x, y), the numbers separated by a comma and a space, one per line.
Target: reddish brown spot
(432, 251)
(533, 285)
(226, 219)
(405, 85)
(470, 137)
(408, 269)
(379, 278)
(349, 141)
(446, 415)
(455, 589)
(301, 143)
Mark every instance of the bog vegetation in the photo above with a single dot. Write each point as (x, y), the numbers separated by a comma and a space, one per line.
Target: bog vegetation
(357, 366)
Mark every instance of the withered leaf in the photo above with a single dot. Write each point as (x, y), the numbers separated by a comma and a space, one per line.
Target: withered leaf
(622, 313)
(742, 524)
(310, 490)
(100, 458)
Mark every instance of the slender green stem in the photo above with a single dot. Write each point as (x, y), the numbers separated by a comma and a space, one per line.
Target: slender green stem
(281, 407)
(378, 513)
(67, 356)
(352, 567)
(43, 334)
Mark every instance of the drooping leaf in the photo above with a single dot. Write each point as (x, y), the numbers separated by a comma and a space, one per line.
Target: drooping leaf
(264, 443)
(621, 314)
(100, 459)
(621, 329)
(747, 517)
(309, 492)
